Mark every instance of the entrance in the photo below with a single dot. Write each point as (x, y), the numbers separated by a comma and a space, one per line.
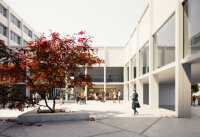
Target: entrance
(97, 92)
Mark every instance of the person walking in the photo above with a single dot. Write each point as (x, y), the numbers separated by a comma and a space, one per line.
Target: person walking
(33, 96)
(37, 97)
(61, 98)
(119, 94)
(135, 102)
(82, 98)
(78, 97)
(194, 99)
(69, 93)
(114, 96)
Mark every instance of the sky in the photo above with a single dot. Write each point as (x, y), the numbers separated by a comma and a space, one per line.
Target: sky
(111, 22)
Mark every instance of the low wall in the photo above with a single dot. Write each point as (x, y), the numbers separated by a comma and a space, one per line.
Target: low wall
(34, 117)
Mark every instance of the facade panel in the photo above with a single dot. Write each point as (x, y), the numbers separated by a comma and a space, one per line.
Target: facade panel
(144, 29)
(162, 10)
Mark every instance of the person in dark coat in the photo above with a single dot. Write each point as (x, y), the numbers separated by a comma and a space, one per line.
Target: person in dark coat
(194, 99)
(135, 103)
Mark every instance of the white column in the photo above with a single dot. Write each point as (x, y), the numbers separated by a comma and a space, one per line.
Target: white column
(105, 74)
(130, 89)
(139, 90)
(153, 79)
(125, 84)
(86, 87)
(126, 92)
(66, 88)
(139, 83)
(153, 91)
(125, 74)
(182, 72)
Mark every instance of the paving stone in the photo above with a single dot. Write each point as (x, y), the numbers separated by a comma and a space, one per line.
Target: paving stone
(60, 129)
(174, 127)
(134, 124)
(119, 134)
(5, 125)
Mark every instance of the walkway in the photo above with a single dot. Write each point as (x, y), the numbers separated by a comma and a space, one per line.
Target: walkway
(112, 120)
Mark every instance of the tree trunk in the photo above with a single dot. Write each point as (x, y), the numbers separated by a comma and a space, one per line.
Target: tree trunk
(52, 110)
(54, 103)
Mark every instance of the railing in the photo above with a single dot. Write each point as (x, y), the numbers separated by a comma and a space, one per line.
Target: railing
(99, 78)
(109, 78)
(114, 78)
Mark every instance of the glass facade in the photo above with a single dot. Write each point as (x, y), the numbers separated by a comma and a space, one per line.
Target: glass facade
(164, 44)
(3, 11)
(15, 38)
(191, 27)
(3, 30)
(27, 31)
(144, 59)
(98, 93)
(134, 67)
(15, 21)
(97, 74)
(114, 74)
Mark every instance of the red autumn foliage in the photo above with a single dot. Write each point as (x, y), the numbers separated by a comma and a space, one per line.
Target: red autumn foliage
(45, 64)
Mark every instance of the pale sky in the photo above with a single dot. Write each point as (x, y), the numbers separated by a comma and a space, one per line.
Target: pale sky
(111, 22)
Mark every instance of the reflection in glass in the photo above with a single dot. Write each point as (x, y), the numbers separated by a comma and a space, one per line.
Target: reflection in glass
(164, 44)
(191, 27)
(144, 59)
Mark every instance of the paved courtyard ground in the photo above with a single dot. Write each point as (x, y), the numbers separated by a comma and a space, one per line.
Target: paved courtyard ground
(112, 120)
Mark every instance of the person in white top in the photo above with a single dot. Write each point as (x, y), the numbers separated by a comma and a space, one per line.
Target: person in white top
(119, 94)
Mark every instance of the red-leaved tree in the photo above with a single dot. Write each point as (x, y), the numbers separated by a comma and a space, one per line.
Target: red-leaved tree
(45, 64)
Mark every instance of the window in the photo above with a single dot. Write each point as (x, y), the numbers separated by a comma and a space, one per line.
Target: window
(24, 43)
(134, 67)
(191, 27)
(3, 30)
(27, 31)
(97, 74)
(15, 38)
(144, 59)
(3, 11)
(114, 74)
(164, 44)
(15, 21)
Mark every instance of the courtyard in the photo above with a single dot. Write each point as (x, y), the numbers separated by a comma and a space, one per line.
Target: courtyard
(111, 119)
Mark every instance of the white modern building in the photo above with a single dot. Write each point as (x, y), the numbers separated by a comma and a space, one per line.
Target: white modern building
(162, 55)
(161, 58)
(15, 32)
(13, 29)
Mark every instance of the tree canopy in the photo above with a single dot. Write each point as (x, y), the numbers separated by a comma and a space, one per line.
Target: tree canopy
(43, 65)
(194, 88)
